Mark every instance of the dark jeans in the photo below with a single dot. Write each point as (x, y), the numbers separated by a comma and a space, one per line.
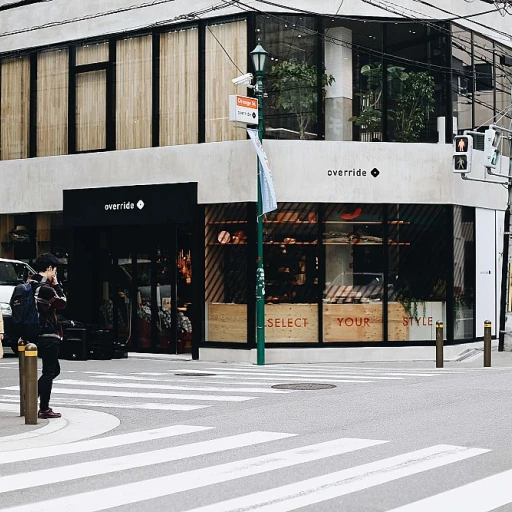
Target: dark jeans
(49, 353)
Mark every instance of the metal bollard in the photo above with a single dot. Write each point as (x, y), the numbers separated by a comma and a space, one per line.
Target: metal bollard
(439, 345)
(31, 384)
(487, 343)
(21, 361)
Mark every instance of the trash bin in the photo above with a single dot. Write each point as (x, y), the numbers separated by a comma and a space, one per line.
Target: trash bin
(74, 344)
(100, 343)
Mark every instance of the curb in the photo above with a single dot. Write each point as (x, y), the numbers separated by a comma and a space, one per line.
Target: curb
(75, 425)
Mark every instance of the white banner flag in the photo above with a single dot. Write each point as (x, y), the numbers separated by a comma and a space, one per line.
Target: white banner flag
(268, 194)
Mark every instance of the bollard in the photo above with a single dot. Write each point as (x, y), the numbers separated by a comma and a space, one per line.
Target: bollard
(21, 361)
(439, 345)
(487, 343)
(31, 384)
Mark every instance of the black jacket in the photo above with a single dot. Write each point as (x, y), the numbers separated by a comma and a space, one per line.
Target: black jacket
(48, 300)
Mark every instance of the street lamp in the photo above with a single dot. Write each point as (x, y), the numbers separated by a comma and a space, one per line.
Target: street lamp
(259, 59)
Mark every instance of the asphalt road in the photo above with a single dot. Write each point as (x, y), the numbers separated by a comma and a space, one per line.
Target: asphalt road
(186, 435)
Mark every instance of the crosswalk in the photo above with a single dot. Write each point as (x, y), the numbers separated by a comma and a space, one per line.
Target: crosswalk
(187, 388)
(267, 467)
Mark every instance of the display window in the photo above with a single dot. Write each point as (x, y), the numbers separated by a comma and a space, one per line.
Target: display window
(291, 262)
(418, 267)
(354, 273)
(343, 273)
(226, 268)
(464, 272)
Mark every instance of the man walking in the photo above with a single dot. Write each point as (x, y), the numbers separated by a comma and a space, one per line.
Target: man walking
(49, 297)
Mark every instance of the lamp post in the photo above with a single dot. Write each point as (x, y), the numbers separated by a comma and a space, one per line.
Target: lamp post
(259, 59)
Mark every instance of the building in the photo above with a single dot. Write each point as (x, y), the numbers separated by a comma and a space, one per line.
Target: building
(117, 154)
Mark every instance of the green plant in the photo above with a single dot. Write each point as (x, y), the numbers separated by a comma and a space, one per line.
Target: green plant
(413, 94)
(413, 106)
(296, 86)
(410, 306)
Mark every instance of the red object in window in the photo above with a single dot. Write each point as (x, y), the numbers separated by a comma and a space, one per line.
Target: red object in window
(353, 215)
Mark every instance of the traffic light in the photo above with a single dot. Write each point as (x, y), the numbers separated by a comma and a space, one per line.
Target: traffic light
(462, 154)
(492, 143)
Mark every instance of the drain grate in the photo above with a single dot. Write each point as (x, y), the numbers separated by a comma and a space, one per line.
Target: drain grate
(304, 386)
(194, 374)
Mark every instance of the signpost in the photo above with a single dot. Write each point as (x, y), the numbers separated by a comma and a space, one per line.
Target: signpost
(243, 109)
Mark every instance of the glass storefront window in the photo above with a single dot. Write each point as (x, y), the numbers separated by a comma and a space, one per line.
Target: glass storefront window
(463, 89)
(503, 93)
(354, 273)
(464, 272)
(179, 87)
(14, 108)
(134, 92)
(291, 76)
(291, 259)
(226, 242)
(52, 102)
(417, 271)
(225, 55)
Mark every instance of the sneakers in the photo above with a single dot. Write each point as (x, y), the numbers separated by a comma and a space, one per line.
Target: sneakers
(48, 414)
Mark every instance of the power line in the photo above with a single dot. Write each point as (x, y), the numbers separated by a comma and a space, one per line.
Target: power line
(370, 51)
(451, 34)
(225, 51)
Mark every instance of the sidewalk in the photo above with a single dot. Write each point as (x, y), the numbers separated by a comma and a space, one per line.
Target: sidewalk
(13, 424)
(455, 356)
(75, 425)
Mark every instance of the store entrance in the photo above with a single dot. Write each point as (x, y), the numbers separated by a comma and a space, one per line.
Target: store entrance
(130, 264)
(147, 295)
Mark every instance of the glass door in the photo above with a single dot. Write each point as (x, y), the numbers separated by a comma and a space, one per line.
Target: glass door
(173, 292)
(146, 288)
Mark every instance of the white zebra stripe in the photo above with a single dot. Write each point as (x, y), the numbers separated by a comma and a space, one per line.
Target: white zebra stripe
(105, 466)
(294, 372)
(148, 406)
(346, 481)
(259, 373)
(480, 496)
(127, 394)
(138, 385)
(99, 444)
(230, 379)
(136, 492)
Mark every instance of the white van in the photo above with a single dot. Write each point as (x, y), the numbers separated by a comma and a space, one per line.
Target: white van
(12, 273)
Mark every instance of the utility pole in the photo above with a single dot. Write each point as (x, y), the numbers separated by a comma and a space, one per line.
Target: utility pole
(492, 153)
(506, 61)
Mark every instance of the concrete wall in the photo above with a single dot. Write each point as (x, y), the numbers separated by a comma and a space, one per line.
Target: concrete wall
(64, 20)
(303, 171)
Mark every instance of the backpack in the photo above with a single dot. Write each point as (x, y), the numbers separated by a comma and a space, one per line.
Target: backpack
(25, 317)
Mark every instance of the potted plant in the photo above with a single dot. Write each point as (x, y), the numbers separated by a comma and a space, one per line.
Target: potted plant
(295, 84)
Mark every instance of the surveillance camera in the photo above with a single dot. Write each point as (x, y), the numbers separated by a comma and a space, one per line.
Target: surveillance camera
(244, 79)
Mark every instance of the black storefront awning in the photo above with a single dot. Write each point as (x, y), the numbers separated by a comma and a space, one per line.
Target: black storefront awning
(131, 206)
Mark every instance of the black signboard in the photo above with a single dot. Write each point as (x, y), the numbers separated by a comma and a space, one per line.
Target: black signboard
(131, 206)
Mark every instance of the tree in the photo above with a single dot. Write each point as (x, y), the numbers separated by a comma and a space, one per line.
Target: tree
(370, 118)
(296, 86)
(413, 106)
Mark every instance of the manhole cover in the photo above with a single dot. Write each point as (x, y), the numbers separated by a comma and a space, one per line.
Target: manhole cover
(194, 374)
(305, 385)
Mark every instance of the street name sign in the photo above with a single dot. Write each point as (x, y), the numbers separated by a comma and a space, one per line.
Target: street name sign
(243, 109)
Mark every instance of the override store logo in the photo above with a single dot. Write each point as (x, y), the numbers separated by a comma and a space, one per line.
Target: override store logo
(352, 173)
(128, 205)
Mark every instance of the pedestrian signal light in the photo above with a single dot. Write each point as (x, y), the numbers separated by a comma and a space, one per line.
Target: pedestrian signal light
(462, 154)
(492, 144)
